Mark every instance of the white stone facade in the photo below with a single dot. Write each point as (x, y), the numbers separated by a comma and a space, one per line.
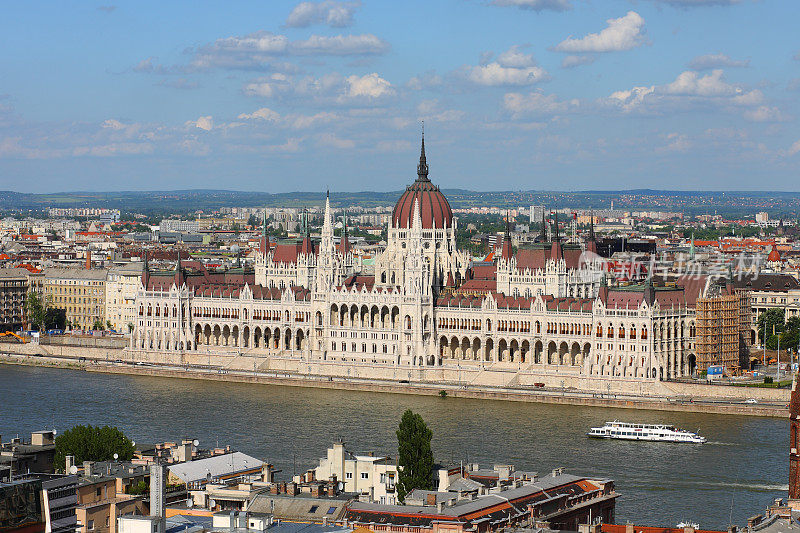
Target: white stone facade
(310, 302)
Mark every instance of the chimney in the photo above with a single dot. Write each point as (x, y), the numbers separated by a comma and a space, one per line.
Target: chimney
(157, 489)
(430, 499)
(69, 462)
(87, 468)
(629, 528)
(88, 259)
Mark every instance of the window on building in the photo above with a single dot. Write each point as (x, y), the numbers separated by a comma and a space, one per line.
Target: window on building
(91, 525)
(313, 509)
(331, 510)
(364, 475)
(348, 475)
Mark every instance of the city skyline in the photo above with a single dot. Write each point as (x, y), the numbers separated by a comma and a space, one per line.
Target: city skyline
(304, 96)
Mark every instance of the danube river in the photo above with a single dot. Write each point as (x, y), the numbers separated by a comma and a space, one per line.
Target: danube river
(742, 468)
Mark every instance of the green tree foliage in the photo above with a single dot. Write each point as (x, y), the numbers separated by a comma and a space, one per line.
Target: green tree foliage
(139, 488)
(36, 308)
(769, 319)
(92, 443)
(414, 455)
(790, 337)
(55, 318)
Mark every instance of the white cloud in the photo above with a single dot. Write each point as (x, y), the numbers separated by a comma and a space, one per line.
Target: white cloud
(623, 33)
(712, 61)
(765, 114)
(536, 5)
(113, 124)
(329, 12)
(496, 74)
(693, 84)
(269, 86)
(676, 142)
(514, 58)
(259, 50)
(699, 3)
(261, 114)
(537, 103)
(793, 149)
(395, 146)
(694, 91)
(576, 61)
(631, 99)
(329, 139)
(329, 89)
(431, 111)
(370, 86)
(341, 45)
(109, 150)
(300, 122)
(205, 123)
(427, 80)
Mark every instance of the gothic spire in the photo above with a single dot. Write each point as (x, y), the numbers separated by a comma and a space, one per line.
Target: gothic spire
(543, 235)
(591, 225)
(422, 167)
(555, 232)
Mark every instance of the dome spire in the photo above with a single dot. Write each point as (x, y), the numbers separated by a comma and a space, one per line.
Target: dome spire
(422, 167)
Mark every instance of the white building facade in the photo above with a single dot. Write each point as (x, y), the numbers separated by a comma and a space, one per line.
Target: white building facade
(310, 300)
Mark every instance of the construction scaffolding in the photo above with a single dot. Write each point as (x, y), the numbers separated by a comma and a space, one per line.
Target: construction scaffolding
(723, 329)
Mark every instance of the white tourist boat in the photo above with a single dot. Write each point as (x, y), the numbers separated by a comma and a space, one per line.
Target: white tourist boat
(648, 432)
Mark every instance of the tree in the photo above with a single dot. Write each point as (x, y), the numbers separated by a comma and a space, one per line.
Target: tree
(98, 325)
(92, 443)
(791, 334)
(55, 318)
(36, 309)
(766, 321)
(414, 455)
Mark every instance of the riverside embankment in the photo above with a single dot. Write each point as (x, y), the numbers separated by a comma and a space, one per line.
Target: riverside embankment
(489, 384)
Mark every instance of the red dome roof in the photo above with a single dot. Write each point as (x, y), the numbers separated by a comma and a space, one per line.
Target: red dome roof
(433, 206)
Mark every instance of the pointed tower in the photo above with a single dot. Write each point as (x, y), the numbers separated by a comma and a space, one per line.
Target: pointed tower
(326, 261)
(344, 243)
(264, 242)
(591, 244)
(603, 292)
(507, 250)
(543, 233)
(422, 166)
(178, 278)
(649, 290)
(307, 247)
(691, 249)
(145, 272)
(556, 252)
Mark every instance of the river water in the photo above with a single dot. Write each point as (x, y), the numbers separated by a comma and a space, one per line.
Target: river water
(742, 468)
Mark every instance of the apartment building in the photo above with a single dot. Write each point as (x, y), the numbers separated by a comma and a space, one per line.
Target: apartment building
(121, 286)
(13, 290)
(373, 476)
(81, 293)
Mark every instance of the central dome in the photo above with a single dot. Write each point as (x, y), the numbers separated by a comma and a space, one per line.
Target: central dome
(434, 208)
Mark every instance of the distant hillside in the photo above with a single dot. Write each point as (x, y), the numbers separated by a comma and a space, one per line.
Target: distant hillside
(786, 204)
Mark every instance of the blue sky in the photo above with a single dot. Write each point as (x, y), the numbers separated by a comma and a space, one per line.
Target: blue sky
(515, 94)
